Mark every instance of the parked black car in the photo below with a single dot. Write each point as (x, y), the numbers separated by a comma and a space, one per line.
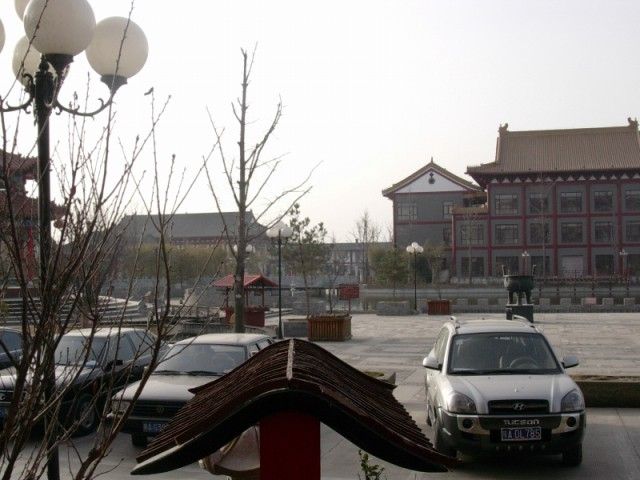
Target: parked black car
(187, 364)
(10, 346)
(112, 355)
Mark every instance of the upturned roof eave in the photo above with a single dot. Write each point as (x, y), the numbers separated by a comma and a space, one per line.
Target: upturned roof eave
(388, 192)
(300, 376)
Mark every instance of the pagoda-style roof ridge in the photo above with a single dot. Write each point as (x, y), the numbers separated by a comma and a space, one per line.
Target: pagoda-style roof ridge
(250, 280)
(430, 166)
(577, 150)
(293, 375)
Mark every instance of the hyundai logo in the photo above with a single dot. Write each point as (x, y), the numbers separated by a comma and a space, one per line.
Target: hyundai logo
(2, 397)
(518, 406)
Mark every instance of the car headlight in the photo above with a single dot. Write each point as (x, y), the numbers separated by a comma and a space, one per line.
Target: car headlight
(459, 403)
(119, 407)
(572, 402)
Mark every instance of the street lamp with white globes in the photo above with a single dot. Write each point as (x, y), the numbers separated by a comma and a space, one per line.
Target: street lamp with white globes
(279, 233)
(56, 31)
(415, 249)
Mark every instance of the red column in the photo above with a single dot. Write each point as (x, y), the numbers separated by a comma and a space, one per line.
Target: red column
(290, 447)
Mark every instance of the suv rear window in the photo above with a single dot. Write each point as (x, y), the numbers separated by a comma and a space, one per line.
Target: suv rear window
(501, 353)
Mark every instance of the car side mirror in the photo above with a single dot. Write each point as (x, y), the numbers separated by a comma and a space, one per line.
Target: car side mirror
(431, 362)
(570, 361)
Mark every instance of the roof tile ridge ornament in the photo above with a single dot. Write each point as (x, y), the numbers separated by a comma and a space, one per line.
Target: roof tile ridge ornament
(290, 356)
(503, 129)
(633, 123)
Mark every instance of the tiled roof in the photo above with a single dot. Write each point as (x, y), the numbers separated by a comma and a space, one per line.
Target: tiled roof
(301, 376)
(575, 150)
(429, 166)
(193, 225)
(249, 281)
(19, 164)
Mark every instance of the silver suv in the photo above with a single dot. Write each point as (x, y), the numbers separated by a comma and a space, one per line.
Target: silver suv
(496, 386)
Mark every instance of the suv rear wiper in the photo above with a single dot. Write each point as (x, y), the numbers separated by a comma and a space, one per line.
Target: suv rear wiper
(202, 372)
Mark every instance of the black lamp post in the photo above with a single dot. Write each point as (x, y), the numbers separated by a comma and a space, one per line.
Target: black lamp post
(415, 249)
(56, 31)
(280, 232)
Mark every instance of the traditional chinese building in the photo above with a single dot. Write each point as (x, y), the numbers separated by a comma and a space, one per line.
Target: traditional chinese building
(423, 205)
(566, 201)
(16, 204)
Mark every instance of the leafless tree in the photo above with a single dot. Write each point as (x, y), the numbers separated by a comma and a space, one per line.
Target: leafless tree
(247, 177)
(367, 233)
(98, 183)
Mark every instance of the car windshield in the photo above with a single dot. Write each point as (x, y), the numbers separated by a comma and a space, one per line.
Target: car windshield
(201, 359)
(74, 349)
(501, 353)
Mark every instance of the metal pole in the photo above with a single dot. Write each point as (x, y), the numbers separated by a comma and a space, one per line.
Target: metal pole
(280, 333)
(415, 295)
(43, 94)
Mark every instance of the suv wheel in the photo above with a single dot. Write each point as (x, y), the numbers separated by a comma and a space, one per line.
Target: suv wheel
(438, 440)
(573, 456)
(138, 440)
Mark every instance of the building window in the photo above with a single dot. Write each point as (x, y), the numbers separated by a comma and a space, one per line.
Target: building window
(539, 233)
(603, 232)
(632, 200)
(446, 235)
(507, 234)
(603, 202)
(633, 232)
(571, 233)
(633, 264)
(538, 203)
(570, 202)
(506, 204)
(447, 209)
(407, 211)
(510, 264)
(477, 266)
(471, 234)
(605, 265)
(540, 269)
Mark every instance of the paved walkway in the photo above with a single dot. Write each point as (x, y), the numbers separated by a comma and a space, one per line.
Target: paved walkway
(605, 344)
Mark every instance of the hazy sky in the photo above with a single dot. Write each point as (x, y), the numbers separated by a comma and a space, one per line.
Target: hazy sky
(372, 89)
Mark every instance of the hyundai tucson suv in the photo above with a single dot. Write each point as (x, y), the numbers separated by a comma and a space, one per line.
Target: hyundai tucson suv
(187, 364)
(496, 386)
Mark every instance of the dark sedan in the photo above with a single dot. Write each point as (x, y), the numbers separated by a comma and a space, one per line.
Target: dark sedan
(10, 347)
(187, 364)
(84, 364)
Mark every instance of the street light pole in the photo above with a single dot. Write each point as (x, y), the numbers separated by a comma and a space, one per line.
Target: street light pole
(280, 232)
(116, 48)
(414, 249)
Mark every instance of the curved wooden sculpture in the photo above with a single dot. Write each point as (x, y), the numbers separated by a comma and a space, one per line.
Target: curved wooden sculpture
(292, 381)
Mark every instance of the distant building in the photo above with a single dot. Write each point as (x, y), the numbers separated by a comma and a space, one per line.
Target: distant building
(566, 201)
(194, 229)
(423, 205)
(352, 259)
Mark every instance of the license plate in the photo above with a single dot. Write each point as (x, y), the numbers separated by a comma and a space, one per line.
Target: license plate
(153, 427)
(523, 434)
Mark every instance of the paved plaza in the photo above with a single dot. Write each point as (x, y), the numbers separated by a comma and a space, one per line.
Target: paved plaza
(606, 345)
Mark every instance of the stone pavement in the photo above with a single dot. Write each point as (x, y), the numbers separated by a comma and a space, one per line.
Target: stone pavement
(606, 344)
